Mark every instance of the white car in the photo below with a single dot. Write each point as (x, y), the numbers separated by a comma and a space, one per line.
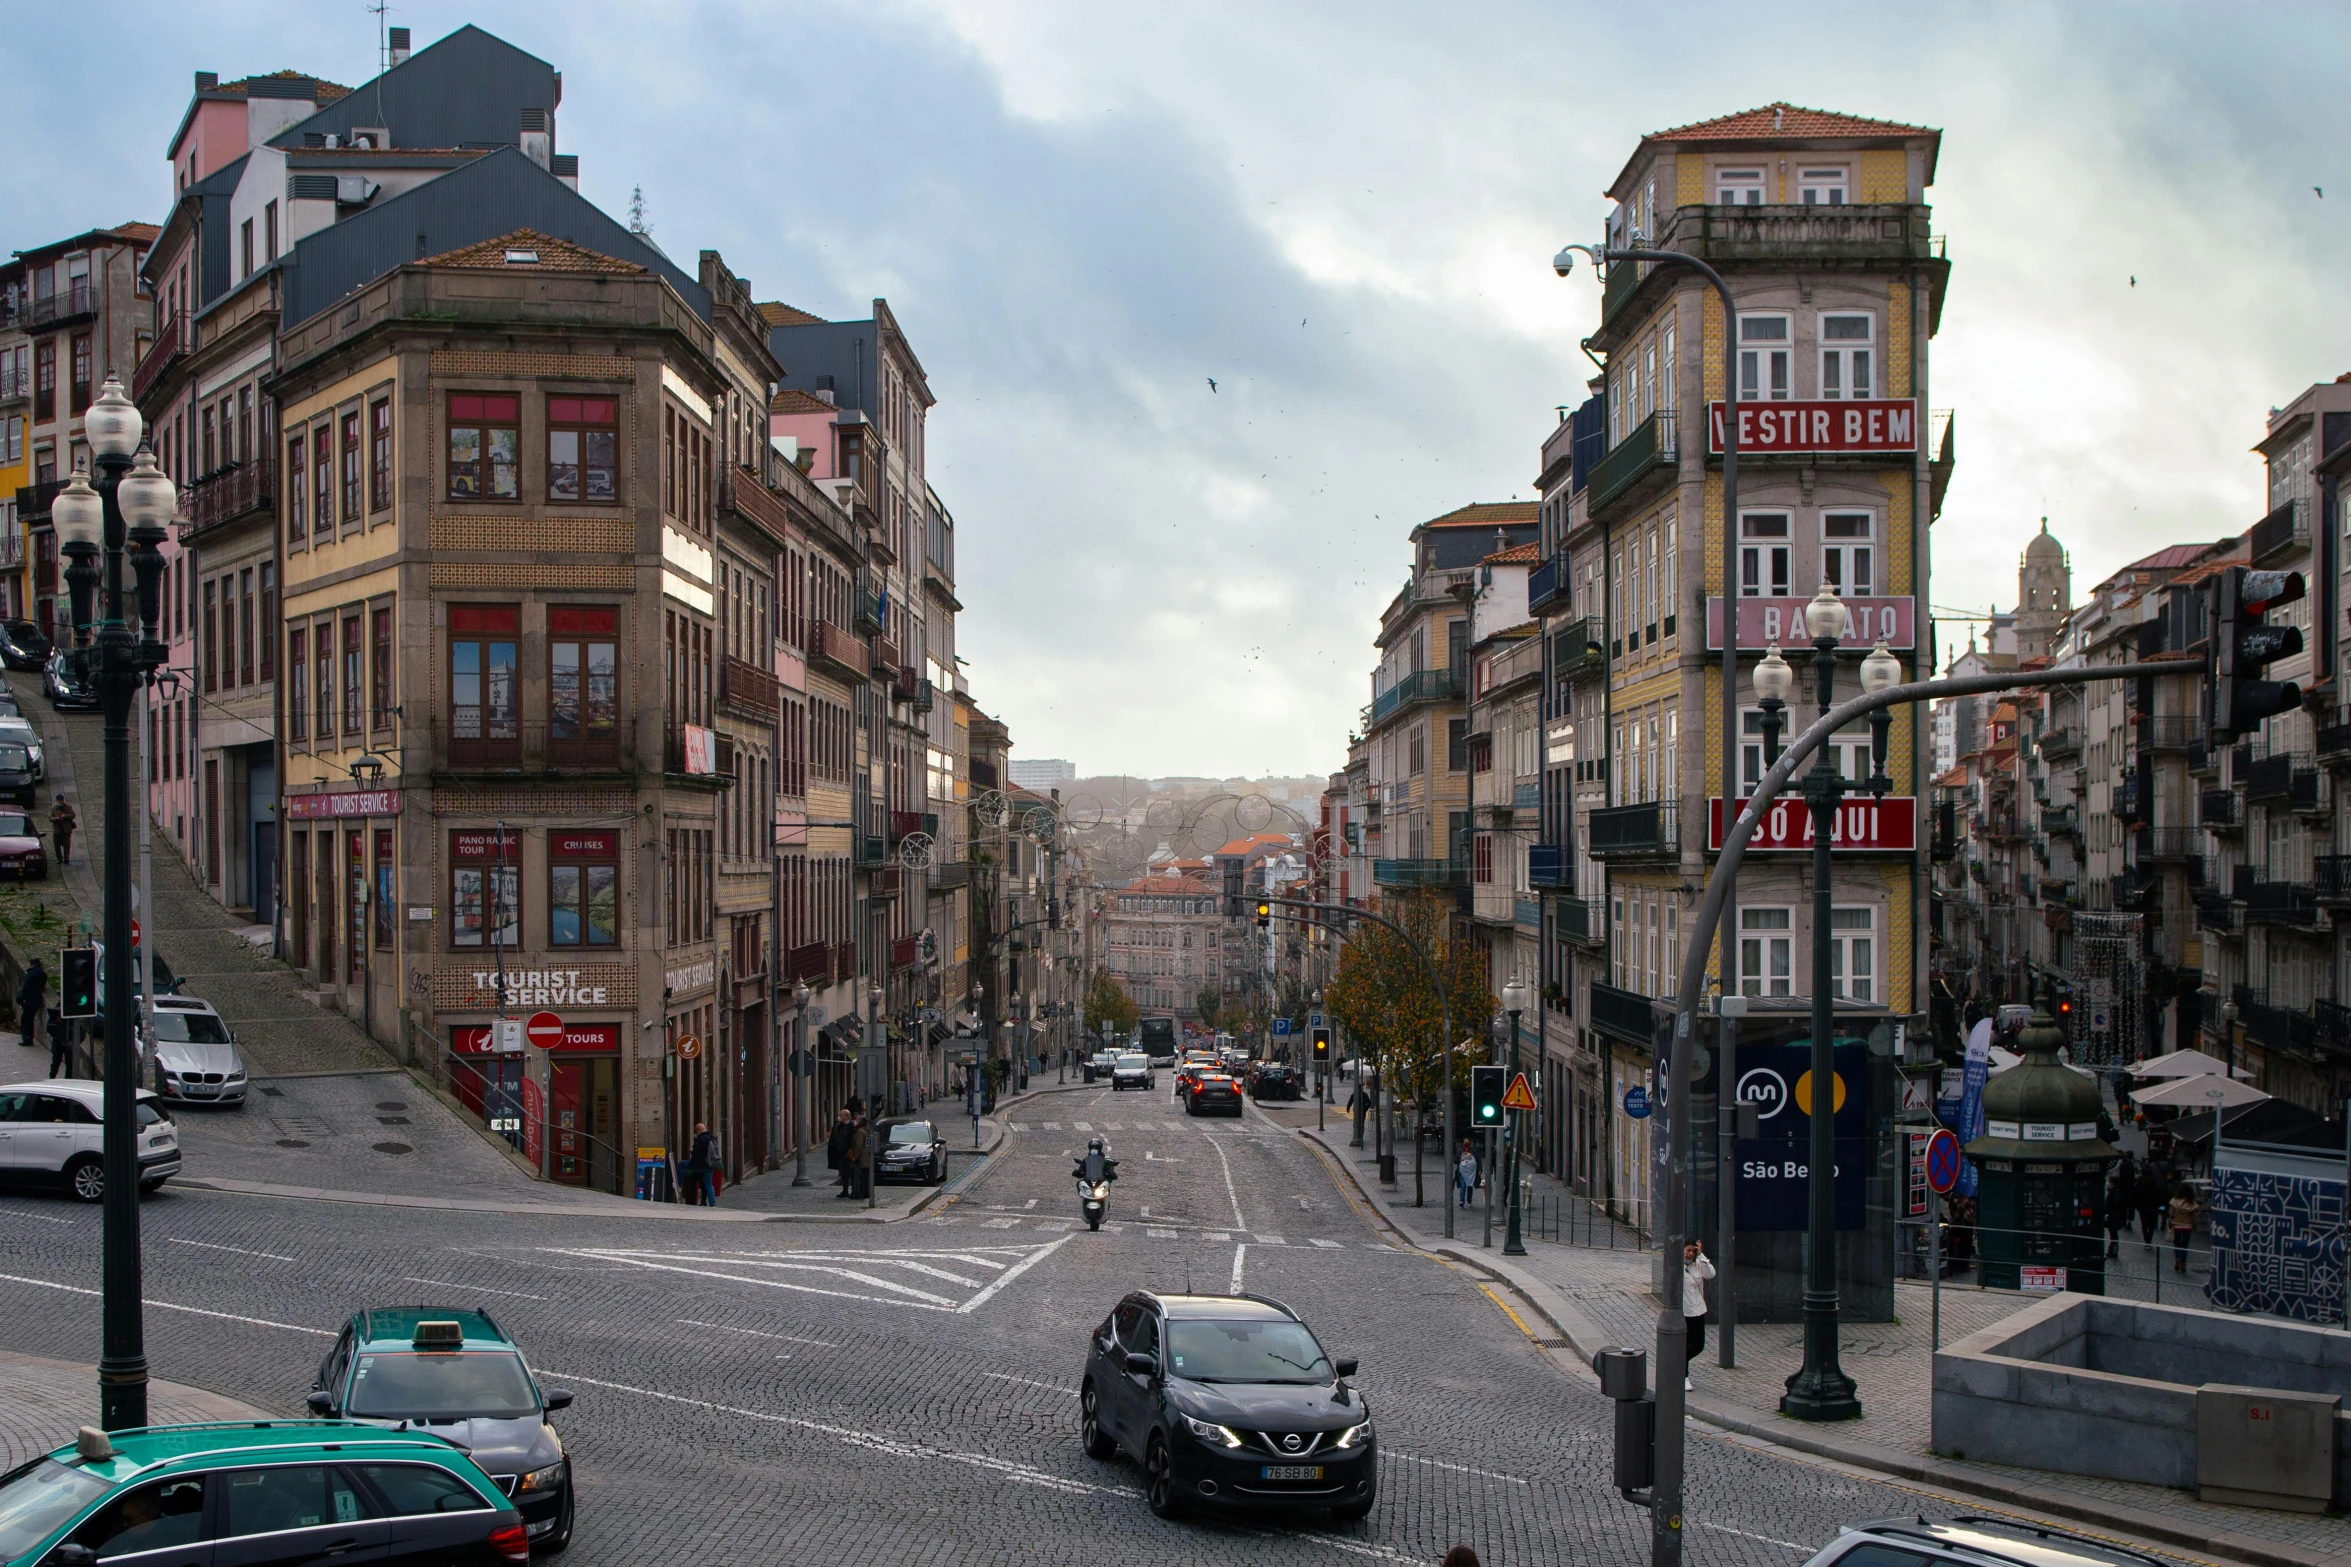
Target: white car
(20, 729)
(195, 1055)
(50, 1133)
(1133, 1070)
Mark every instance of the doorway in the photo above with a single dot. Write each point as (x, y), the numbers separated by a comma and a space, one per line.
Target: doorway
(583, 1121)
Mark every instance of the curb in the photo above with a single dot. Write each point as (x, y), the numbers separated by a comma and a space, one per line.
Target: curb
(1584, 1338)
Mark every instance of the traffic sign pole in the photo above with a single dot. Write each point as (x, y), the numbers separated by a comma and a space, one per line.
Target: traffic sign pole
(1942, 1162)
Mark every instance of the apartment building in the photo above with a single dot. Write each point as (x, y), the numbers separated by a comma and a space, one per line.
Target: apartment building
(1163, 938)
(1505, 764)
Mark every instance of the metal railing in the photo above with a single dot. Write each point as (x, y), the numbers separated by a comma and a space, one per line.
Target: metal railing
(2143, 1267)
(1652, 445)
(489, 744)
(1427, 685)
(232, 492)
(1635, 831)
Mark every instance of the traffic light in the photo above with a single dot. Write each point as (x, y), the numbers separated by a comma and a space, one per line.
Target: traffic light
(1232, 889)
(2062, 1008)
(2243, 645)
(1322, 1044)
(1264, 915)
(1486, 1087)
(77, 994)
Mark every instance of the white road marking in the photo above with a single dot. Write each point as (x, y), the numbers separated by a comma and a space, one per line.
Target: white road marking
(1013, 1272)
(1220, 1236)
(1031, 1203)
(165, 1305)
(998, 1224)
(1050, 1387)
(1081, 1126)
(789, 1338)
(1230, 1190)
(1239, 1252)
(1439, 1463)
(239, 1250)
(762, 1269)
(1326, 1245)
(870, 1441)
(1052, 1126)
(43, 1218)
(1159, 1234)
(1724, 1528)
(1271, 1240)
(1357, 1547)
(477, 1289)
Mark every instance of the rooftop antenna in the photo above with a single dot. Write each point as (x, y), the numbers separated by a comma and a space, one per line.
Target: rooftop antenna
(637, 210)
(383, 43)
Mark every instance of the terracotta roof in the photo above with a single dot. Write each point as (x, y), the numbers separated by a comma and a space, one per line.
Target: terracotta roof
(793, 401)
(1254, 842)
(1787, 122)
(554, 255)
(776, 313)
(328, 92)
(1517, 555)
(2236, 556)
(1485, 514)
(137, 231)
(1952, 779)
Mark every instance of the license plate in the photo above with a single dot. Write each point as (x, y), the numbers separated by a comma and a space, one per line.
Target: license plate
(1291, 1472)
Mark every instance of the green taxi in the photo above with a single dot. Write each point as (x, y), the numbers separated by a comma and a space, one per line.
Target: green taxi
(244, 1494)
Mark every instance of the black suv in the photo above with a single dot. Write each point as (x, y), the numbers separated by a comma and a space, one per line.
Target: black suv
(1227, 1399)
(1273, 1080)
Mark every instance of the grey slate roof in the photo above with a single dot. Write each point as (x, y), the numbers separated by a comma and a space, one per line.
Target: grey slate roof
(468, 89)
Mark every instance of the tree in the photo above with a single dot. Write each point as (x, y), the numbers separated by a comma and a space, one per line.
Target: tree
(1208, 1007)
(1108, 1002)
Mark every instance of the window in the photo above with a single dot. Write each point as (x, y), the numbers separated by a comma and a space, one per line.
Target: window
(1820, 187)
(287, 1497)
(245, 248)
(297, 470)
(583, 889)
(484, 717)
(269, 230)
(485, 888)
(1844, 356)
(380, 667)
(244, 624)
(1766, 953)
(1852, 954)
(1738, 187)
(323, 666)
(267, 636)
(162, 1515)
(583, 680)
(485, 446)
(1457, 744)
(1667, 579)
(297, 689)
(350, 427)
(1763, 554)
(1763, 358)
(211, 640)
(352, 692)
(384, 898)
(583, 448)
(1847, 561)
(322, 480)
(379, 454)
(81, 373)
(45, 381)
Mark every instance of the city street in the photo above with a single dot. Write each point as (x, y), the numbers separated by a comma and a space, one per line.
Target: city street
(901, 1392)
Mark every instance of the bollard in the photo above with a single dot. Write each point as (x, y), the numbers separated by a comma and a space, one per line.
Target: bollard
(1624, 1377)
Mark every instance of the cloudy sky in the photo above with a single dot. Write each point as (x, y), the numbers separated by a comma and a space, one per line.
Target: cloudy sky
(1344, 215)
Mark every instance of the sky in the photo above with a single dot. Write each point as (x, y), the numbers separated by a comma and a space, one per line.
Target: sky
(1344, 217)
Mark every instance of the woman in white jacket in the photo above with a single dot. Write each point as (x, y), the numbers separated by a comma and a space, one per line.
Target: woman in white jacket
(1697, 1268)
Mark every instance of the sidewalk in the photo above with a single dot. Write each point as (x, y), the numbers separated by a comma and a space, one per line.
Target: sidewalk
(1594, 1297)
(44, 1402)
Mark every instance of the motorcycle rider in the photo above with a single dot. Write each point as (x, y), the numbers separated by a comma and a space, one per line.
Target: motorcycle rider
(1097, 1166)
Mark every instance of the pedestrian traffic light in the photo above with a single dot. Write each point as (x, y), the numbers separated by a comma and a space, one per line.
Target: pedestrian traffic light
(1486, 1088)
(2244, 644)
(1322, 1044)
(78, 990)
(1264, 915)
(1232, 889)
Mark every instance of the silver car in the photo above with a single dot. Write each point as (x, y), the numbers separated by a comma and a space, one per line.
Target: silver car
(196, 1059)
(20, 729)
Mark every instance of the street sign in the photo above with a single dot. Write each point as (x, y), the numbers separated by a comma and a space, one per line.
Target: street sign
(1636, 1102)
(1519, 1097)
(544, 1029)
(134, 933)
(506, 1035)
(1281, 1026)
(1942, 1160)
(689, 1046)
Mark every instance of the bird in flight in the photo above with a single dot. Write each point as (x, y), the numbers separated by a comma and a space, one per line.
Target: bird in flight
(2322, 191)
(1212, 383)
(2134, 280)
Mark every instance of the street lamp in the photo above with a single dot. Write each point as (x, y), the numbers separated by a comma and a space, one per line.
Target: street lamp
(1820, 1390)
(124, 514)
(803, 1074)
(1514, 1001)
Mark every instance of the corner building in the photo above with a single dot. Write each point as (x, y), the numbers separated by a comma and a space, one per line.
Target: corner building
(1818, 222)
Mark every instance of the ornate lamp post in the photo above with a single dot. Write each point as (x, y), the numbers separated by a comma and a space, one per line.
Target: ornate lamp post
(125, 513)
(803, 1075)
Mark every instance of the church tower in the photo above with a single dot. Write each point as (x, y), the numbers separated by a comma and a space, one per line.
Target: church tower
(2044, 594)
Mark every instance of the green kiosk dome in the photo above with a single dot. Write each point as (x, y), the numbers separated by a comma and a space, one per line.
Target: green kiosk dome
(2041, 1171)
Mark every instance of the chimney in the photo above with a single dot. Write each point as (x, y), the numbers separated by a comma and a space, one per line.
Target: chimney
(538, 137)
(399, 42)
(207, 80)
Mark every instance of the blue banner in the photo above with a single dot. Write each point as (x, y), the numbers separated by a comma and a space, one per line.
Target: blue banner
(1971, 1101)
(1774, 1167)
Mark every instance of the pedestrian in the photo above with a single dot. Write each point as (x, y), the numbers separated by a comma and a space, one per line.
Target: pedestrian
(2150, 1195)
(702, 1165)
(2183, 1225)
(860, 1139)
(1465, 1174)
(32, 1000)
(836, 1149)
(62, 817)
(2118, 1213)
(60, 1046)
(1697, 1268)
(1460, 1556)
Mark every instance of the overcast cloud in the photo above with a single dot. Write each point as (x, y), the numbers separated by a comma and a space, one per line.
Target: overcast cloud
(1345, 214)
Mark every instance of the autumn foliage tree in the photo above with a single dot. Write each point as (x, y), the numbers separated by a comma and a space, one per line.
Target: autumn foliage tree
(1108, 1002)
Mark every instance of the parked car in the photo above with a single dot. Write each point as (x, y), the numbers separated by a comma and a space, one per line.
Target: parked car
(1133, 1070)
(1213, 1091)
(17, 727)
(457, 1374)
(1100, 1064)
(1230, 1400)
(66, 679)
(271, 1491)
(1273, 1080)
(17, 777)
(49, 1133)
(914, 1150)
(1967, 1541)
(196, 1057)
(23, 853)
(23, 645)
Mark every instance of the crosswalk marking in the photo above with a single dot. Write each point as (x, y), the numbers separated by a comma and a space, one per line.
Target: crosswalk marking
(1081, 1126)
(1220, 1236)
(1052, 1126)
(1271, 1240)
(998, 1224)
(1158, 1234)
(1330, 1245)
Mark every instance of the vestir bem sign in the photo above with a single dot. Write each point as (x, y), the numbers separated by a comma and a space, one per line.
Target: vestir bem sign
(1769, 622)
(1861, 826)
(1858, 426)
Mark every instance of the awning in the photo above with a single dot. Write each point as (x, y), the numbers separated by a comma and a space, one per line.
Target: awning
(2201, 1092)
(2182, 1063)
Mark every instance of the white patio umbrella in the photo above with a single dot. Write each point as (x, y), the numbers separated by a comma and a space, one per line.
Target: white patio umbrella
(2200, 1092)
(2183, 1063)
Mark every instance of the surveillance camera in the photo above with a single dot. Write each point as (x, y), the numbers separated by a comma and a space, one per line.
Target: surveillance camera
(1564, 262)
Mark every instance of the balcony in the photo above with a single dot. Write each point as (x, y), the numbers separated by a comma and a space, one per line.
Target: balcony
(2278, 902)
(870, 608)
(2269, 778)
(1576, 650)
(749, 688)
(1635, 832)
(2291, 1029)
(1580, 920)
(882, 881)
(2167, 845)
(905, 952)
(2334, 1025)
(58, 309)
(2334, 742)
(2218, 915)
(169, 345)
(2062, 821)
(1650, 453)
(477, 743)
(2135, 887)
(232, 493)
(2281, 531)
(1526, 913)
(1550, 865)
(2203, 756)
(1412, 874)
(2169, 732)
(904, 824)
(742, 493)
(2218, 809)
(1526, 794)
(1547, 586)
(2060, 742)
(2331, 878)
(2129, 800)
(1624, 1014)
(1427, 685)
(812, 961)
(831, 645)
(1508, 665)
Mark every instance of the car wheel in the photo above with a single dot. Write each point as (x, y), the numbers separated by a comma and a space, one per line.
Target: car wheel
(85, 1177)
(1098, 1445)
(1352, 1511)
(1159, 1480)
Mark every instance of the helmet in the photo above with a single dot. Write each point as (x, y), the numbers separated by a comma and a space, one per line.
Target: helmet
(1094, 1145)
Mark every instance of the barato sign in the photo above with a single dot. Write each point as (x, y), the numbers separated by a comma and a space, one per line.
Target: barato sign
(1769, 622)
(1859, 426)
(1861, 826)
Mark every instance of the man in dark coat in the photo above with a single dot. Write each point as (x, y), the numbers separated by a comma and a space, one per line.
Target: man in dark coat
(836, 1149)
(702, 1166)
(2150, 1196)
(32, 1000)
(860, 1140)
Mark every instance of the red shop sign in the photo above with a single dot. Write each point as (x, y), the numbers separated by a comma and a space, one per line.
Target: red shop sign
(1862, 825)
(470, 1039)
(343, 802)
(1858, 426)
(483, 844)
(1768, 622)
(582, 845)
(588, 1036)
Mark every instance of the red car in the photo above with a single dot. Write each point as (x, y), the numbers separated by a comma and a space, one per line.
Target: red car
(1213, 1091)
(22, 854)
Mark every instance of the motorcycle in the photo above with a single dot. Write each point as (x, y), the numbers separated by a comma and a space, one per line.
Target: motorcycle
(1093, 1197)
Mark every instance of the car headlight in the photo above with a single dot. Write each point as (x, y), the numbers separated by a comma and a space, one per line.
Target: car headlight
(547, 1479)
(1354, 1436)
(1213, 1434)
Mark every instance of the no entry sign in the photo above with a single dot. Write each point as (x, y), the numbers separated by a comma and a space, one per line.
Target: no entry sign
(544, 1029)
